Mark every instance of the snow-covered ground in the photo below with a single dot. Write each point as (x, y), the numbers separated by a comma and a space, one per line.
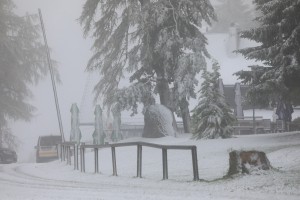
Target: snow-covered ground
(56, 180)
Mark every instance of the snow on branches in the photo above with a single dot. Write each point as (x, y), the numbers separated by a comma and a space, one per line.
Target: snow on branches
(212, 117)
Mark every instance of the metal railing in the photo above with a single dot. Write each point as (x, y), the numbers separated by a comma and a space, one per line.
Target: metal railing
(66, 153)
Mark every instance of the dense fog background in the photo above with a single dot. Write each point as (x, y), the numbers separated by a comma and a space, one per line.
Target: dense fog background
(71, 50)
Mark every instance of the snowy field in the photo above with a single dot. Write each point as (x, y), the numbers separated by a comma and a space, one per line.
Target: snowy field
(56, 180)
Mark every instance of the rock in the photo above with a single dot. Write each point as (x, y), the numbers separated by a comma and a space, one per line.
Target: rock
(159, 122)
(247, 161)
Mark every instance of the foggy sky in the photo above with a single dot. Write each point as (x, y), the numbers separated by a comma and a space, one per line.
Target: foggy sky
(72, 51)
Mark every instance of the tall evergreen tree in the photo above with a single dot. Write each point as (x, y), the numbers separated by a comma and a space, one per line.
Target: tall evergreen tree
(148, 40)
(212, 117)
(278, 38)
(21, 64)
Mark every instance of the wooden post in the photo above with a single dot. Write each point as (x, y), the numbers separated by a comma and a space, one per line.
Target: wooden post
(76, 154)
(63, 153)
(195, 164)
(83, 159)
(114, 161)
(96, 161)
(74, 146)
(165, 163)
(139, 161)
(68, 156)
(82, 149)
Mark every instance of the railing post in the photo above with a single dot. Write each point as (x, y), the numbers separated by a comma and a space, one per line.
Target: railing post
(67, 152)
(114, 162)
(139, 161)
(69, 155)
(96, 161)
(63, 153)
(77, 157)
(195, 163)
(74, 147)
(58, 146)
(165, 163)
(82, 149)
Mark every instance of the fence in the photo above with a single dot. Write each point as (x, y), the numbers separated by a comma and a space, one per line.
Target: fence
(244, 125)
(66, 154)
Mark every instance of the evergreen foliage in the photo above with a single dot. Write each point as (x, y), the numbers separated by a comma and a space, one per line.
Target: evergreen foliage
(278, 38)
(212, 117)
(233, 11)
(157, 43)
(21, 64)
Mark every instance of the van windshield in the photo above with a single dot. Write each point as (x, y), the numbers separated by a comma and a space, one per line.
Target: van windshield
(50, 140)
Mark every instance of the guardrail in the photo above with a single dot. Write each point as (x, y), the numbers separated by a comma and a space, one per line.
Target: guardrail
(66, 152)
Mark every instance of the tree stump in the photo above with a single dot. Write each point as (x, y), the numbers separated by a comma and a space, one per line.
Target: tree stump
(247, 161)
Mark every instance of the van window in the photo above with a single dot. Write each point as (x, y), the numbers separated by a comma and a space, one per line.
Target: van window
(50, 140)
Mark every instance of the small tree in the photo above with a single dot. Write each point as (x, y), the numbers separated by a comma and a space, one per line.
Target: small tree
(212, 117)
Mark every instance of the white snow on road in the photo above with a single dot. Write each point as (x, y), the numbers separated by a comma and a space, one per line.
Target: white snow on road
(56, 180)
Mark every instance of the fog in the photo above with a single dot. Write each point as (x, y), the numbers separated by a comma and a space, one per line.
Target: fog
(72, 52)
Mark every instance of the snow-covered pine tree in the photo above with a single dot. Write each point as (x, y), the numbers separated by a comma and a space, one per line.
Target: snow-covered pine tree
(148, 40)
(212, 118)
(22, 63)
(278, 38)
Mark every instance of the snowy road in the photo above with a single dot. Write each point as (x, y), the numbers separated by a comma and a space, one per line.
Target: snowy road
(56, 180)
(17, 184)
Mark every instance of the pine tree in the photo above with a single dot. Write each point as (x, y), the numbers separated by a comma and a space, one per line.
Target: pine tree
(148, 40)
(21, 64)
(212, 117)
(278, 38)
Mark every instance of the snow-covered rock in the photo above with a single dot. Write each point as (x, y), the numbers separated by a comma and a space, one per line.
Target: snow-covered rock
(159, 122)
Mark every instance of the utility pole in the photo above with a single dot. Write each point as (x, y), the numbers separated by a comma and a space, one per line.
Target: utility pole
(52, 78)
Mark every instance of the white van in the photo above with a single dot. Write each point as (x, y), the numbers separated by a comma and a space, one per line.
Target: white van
(47, 148)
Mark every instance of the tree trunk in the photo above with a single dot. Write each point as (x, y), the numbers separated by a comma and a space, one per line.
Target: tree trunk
(165, 98)
(1, 137)
(164, 93)
(185, 114)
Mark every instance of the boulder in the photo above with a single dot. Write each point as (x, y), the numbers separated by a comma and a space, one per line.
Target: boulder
(159, 122)
(247, 161)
